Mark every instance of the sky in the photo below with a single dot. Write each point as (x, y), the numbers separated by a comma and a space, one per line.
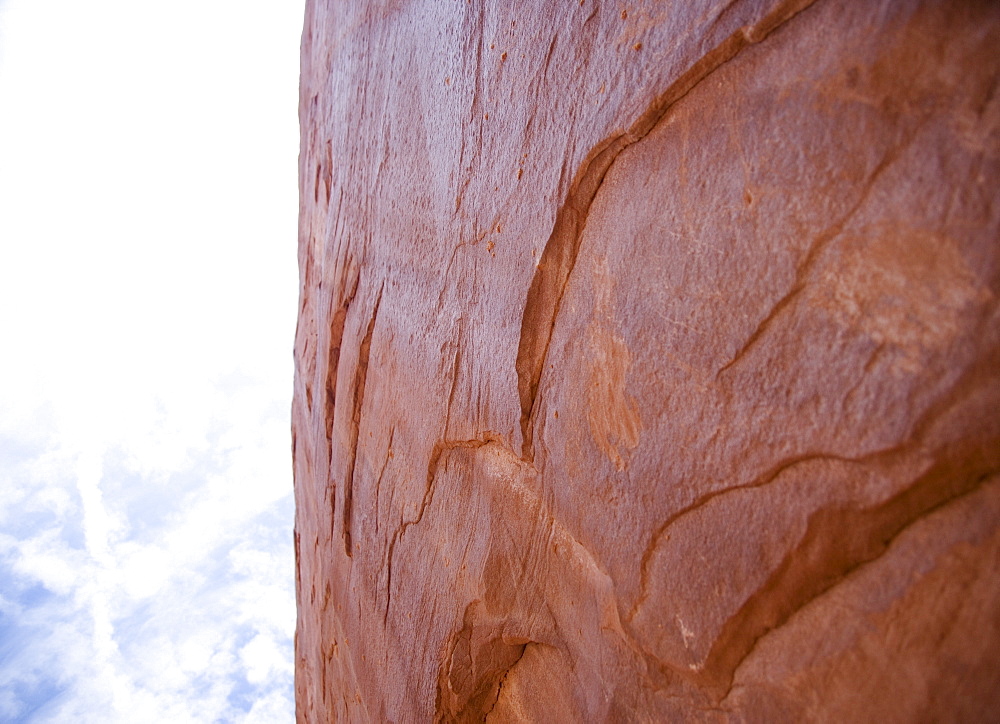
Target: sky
(147, 307)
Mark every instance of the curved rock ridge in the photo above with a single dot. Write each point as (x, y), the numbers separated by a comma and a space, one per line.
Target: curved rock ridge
(648, 361)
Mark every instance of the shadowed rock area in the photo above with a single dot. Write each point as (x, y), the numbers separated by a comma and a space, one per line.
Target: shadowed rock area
(647, 361)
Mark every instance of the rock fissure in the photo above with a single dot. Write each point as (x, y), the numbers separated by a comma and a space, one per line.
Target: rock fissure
(437, 453)
(333, 361)
(558, 258)
(880, 546)
(820, 243)
(759, 482)
(381, 474)
(360, 380)
(836, 542)
(503, 680)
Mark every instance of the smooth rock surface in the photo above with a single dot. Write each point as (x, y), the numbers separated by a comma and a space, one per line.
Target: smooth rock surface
(647, 361)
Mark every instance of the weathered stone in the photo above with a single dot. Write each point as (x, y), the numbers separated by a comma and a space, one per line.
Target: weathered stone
(647, 361)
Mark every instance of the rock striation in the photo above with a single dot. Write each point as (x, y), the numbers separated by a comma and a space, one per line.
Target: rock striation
(647, 361)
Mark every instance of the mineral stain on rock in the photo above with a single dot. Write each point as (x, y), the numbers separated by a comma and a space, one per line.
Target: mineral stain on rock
(706, 428)
(612, 412)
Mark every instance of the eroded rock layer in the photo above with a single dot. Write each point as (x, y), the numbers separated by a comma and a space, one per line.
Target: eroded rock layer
(647, 361)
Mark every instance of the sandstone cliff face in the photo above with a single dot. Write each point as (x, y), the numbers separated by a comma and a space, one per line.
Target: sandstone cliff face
(647, 361)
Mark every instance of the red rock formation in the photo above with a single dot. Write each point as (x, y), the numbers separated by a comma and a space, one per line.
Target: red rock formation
(647, 361)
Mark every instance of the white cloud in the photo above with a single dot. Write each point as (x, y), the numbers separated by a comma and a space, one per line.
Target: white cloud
(147, 291)
(45, 559)
(272, 708)
(177, 625)
(261, 657)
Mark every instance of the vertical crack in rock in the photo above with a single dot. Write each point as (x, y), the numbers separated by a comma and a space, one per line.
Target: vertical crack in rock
(503, 679)
(476, 664)
(297, 544)
(475, 30)
(454, 378)
(559, 255)
(360, 378)
(381, 474)
(332, 372)
(440, 448)
(324, 175)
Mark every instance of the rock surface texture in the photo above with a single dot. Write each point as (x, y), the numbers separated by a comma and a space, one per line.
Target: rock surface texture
(647, 361)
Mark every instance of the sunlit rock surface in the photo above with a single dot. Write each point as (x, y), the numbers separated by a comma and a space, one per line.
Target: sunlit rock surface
(647, 361)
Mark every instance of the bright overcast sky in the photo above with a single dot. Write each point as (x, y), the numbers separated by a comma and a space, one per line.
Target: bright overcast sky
(147, 307)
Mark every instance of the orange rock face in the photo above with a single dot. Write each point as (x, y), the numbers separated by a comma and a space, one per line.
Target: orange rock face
(647, 361)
